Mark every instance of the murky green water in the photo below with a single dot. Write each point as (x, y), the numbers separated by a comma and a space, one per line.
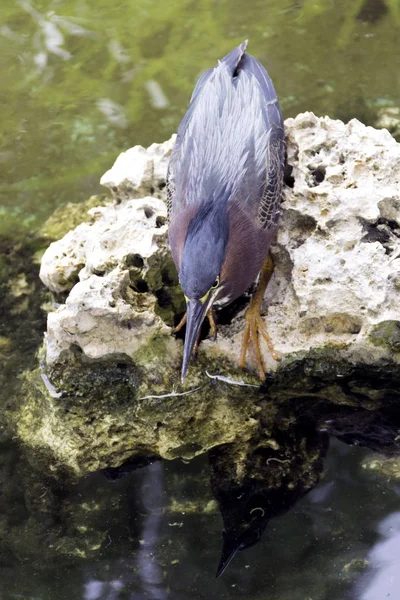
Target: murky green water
(80, 82)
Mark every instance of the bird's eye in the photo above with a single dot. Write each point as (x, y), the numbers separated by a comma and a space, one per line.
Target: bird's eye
(215, 284)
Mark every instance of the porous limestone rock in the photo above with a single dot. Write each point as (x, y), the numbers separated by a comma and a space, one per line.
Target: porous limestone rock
(337, 254)
(139, 171)
(108, 266)
(332, 307)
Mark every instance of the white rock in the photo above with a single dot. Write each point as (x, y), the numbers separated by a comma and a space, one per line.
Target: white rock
(336, 271)
(139, 171)
(93, 262)
(136, 227)
(337, 253)
(98, 318)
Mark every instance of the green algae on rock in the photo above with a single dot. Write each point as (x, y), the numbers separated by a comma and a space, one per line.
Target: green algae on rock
(69, 216)
(100, 413)
(387, 335)
(382, 467)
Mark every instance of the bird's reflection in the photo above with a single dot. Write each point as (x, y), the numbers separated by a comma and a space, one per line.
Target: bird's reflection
(253, 484)
(274, 472)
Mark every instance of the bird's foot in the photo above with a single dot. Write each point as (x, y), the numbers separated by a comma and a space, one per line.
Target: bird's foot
(254, 328)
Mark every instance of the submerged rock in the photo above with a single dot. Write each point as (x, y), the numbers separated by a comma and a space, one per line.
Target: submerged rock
(332, 307)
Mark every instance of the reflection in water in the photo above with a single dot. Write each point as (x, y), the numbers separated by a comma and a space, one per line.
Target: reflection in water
(266, 479)
(113, 112)
(276, 471)
(384, 560)
(157, 97)
(376, 429)
(142, 574)
(49, 38)
(154, 534)
(150, 571)
(96, 590)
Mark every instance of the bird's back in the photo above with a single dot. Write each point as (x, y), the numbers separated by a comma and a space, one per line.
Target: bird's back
(230, 143)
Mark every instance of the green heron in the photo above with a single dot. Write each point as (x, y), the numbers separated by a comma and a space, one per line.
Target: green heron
(224, 185)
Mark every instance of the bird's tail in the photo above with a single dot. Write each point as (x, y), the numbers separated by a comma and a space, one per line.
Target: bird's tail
(232, 60)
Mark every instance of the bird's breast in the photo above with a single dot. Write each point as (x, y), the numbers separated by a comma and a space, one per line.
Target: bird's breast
(247, 248)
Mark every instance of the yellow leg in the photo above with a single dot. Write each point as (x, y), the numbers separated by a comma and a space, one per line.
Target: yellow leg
(213, 323)
(213, 328)
(255, 325)
(181, 323)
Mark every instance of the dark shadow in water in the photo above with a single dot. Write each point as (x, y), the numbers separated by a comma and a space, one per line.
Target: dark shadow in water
(136, 462)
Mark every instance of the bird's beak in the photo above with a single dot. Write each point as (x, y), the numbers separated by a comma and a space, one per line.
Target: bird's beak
(229, 549)
(195, 313)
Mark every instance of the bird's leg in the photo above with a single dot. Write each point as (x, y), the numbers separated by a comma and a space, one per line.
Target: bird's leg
(213, 328)
(255, 325)
(181, 323)
(213, 323)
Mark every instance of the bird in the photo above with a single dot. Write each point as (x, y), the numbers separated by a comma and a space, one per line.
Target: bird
(224, 186)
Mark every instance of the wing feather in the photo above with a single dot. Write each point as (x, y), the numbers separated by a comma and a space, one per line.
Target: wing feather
(230, 143)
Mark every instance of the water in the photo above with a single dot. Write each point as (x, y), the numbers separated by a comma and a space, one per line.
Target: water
(162, 539)
(80, 82)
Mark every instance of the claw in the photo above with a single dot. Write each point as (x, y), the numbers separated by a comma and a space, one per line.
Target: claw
(255, 327)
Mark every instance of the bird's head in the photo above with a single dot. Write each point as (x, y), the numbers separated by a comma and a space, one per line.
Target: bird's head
(200, 277)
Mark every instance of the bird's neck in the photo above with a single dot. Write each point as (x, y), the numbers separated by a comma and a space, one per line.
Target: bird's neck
(205, 246)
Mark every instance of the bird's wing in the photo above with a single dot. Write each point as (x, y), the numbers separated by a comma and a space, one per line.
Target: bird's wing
(273, 151)
(171, 187)
(269, 208)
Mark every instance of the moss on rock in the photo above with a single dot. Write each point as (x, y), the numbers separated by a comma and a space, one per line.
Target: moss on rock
(70, 215)
(99, 413)
(387, 335)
